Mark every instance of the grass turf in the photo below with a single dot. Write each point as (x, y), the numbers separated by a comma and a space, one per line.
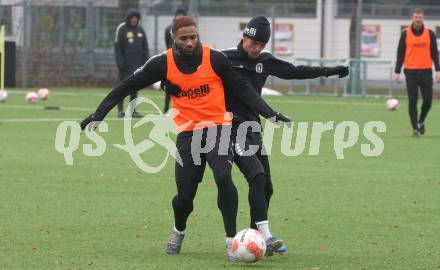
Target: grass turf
(104, 213)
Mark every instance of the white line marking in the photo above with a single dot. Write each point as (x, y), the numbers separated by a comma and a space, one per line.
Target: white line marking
(30, 107)
(267, 99)
(76, 94)
(327, 102)
(70, 94)
(50, 119)
(18, 120)
(159, 96)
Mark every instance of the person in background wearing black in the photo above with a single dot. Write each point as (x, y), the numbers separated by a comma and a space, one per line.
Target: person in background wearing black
(169, 43)
(131, 51)
(417, 51)
(255, 65)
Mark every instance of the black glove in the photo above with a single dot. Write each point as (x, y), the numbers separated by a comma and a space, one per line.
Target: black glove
(95, 118)
(170, 88)
(342, 71)
(279, 117)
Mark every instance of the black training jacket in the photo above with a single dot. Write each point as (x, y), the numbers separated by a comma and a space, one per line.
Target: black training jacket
(155, 69)
(131, 46)
(256, 72)
(168, 39)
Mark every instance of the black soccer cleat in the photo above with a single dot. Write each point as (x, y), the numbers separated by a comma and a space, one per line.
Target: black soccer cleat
(136, 115)
(121, 114)
(174, 244)
(422, 128)
(416, 133)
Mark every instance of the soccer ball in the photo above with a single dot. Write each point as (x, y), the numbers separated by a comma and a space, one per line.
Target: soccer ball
(249, 245)
(31, 97)
(3, 95)
(392, 104)
(43, 93)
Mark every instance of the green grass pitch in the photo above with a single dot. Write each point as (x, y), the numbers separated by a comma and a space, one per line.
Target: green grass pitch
(104, 213)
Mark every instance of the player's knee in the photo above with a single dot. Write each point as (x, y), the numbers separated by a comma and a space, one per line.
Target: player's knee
(258, 180)
(182, 203)
(223, 178)
(186, 193)
(187, 197)
(256, 170)
(269, 189)
(427, 103)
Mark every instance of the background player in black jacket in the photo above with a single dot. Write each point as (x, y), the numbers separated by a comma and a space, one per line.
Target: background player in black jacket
(131, 50)
(168, 43)
(168, 39)
(187, 55)
(255, 66)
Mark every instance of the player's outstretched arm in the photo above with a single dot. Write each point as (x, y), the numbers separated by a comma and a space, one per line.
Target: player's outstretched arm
(152, 71)
(288, 71)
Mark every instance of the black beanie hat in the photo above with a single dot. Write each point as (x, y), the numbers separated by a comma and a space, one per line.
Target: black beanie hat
(258, 29)
(180, 11)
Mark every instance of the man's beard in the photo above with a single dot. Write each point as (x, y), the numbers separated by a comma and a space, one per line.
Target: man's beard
(418, 26)
(181, 51)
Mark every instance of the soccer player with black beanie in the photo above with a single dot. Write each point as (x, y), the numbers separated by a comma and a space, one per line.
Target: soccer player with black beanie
(417, 51)
(255, 65)
(204, 77)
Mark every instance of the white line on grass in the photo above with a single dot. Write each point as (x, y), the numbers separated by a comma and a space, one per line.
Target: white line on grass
(49, 119)
(267, 99)
(73, 94)
(55, 93)
(158, 96)
(302, 101)
(31, 107)
(59, 119)
(324, 102)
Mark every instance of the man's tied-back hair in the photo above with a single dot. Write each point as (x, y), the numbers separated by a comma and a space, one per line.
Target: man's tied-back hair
(183, 21)
(417, 10)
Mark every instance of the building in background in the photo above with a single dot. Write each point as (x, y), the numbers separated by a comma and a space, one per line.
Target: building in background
(80, 32)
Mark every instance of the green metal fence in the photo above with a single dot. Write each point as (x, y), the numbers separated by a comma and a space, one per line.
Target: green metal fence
(367, 78)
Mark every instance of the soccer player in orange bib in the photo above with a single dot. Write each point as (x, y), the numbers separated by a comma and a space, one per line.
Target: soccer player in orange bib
(417, 51)
(203, 77)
